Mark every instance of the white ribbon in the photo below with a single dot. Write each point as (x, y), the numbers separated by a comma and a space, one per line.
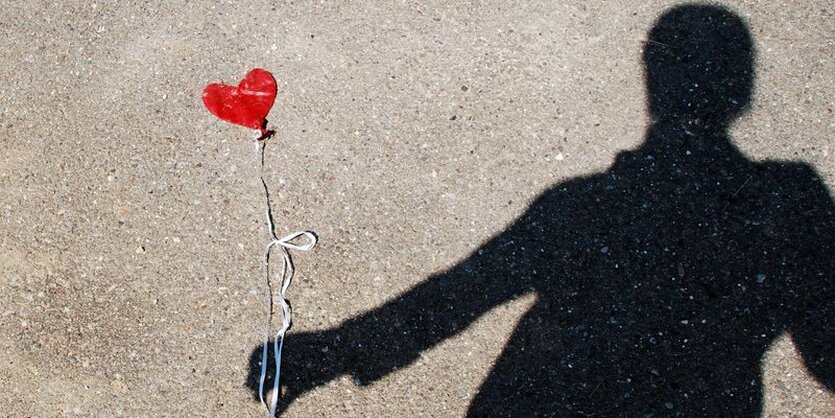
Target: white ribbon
(284, 244)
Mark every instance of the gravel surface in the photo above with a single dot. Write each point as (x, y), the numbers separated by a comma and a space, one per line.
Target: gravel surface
(522, 208)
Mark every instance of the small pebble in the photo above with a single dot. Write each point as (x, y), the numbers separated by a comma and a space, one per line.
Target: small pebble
(118, 388)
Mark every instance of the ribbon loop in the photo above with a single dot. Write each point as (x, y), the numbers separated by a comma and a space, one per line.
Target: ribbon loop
(288, 241)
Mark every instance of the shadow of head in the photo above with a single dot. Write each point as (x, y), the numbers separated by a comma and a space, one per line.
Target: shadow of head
(699, 65)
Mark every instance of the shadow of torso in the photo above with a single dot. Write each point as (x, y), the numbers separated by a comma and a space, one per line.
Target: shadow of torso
(660, 282)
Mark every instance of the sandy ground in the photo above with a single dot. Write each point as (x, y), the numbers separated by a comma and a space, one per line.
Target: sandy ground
(407, 134)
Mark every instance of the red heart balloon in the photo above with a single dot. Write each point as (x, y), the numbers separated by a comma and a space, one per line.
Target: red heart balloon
(246, 104)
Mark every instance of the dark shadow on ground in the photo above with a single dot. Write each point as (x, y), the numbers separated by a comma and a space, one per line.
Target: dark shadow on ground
(660, 283)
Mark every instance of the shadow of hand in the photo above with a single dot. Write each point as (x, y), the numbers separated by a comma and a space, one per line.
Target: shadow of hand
(308, 360)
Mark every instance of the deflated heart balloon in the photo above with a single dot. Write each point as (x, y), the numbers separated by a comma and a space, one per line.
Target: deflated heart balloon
(246, 104)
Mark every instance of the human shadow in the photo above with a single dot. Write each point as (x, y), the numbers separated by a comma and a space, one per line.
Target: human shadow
(659, 283)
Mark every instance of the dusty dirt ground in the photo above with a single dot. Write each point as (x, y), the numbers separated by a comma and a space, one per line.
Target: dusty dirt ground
(408, 134)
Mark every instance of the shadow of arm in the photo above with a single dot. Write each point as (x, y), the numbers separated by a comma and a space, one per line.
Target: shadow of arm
(392, 336)
(811, 296)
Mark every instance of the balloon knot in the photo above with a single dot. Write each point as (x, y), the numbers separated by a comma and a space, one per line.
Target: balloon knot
(263, 134)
